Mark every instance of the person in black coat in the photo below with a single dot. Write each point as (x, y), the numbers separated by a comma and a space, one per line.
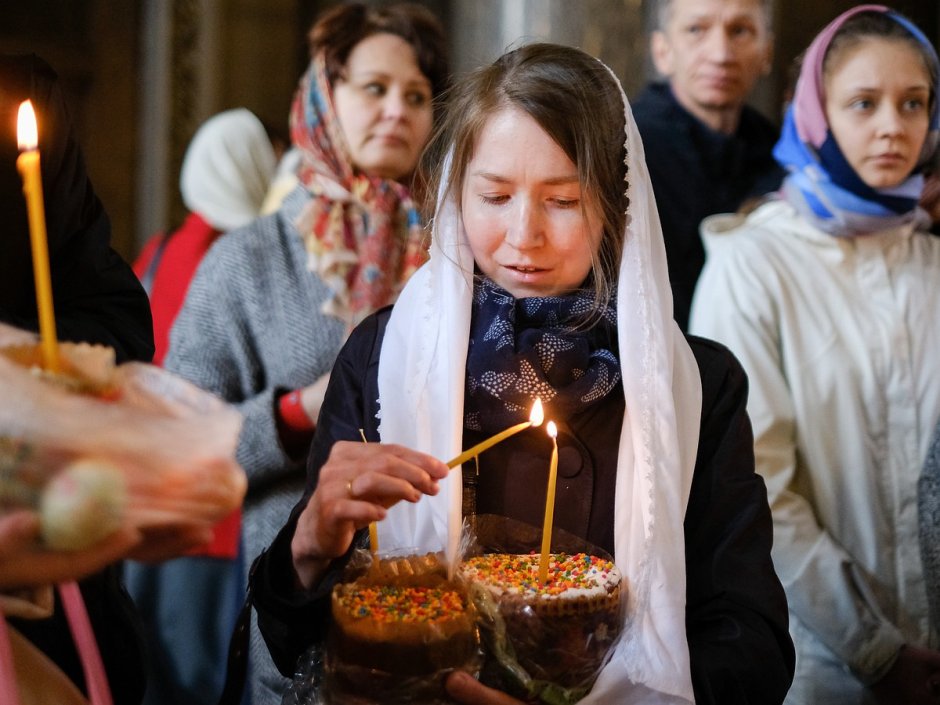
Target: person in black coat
(96, 295)
(548, 279)
(97, 299)
(706, 150)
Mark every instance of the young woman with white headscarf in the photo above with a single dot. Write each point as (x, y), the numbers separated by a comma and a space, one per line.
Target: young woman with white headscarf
(226, 172)
(547, 278)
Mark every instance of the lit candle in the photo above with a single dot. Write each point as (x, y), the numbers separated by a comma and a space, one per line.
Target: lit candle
(549, 504)
(27, 135)
(535, 419)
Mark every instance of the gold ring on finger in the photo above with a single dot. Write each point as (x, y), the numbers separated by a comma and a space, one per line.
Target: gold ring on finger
(349, 489)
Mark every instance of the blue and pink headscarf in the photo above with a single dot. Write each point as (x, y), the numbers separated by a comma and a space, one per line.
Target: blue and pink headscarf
(821, 183)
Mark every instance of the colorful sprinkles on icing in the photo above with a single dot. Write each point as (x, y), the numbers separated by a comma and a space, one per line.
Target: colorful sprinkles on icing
(403, 604)
(519, 573)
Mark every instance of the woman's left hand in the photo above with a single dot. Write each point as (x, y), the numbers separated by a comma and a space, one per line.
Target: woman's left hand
(466, 689)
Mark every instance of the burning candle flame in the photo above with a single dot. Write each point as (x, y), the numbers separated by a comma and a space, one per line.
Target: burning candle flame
(551, 429)
(27, 134)
(537, 416)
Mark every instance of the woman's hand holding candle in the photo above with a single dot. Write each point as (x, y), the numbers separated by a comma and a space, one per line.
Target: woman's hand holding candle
(357, 484)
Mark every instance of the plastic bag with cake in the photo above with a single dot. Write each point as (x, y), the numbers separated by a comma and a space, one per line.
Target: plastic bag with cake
(399, 626)
(96, 445)
(545, 642)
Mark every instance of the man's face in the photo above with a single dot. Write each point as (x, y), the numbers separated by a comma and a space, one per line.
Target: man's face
(713, 52)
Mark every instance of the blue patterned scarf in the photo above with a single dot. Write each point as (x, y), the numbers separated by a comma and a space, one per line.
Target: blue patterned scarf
(822, 185)
(521, 349)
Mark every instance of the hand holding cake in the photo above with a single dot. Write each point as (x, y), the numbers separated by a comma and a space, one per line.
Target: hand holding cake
(110, 455)
(25, 563)
(466, 689)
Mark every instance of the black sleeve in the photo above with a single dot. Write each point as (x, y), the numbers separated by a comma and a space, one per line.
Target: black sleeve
(736, 615)
(96, 295)
(290, 620)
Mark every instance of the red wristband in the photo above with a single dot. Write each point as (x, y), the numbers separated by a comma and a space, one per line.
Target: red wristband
(293, 413)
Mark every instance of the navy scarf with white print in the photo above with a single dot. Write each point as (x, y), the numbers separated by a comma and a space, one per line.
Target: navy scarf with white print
(523, 349)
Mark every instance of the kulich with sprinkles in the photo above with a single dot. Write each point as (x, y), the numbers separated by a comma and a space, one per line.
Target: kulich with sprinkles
(396, 631)
(560, 630)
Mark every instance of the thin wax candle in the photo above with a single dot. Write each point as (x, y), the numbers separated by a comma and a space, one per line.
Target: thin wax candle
(535, 419)
(27, 135)
(552, 431)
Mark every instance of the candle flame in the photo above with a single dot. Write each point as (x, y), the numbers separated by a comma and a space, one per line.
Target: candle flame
(551, 429)
(27, 134)
(538, 414)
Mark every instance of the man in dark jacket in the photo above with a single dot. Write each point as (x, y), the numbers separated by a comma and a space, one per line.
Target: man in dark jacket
(706, 150)
(97, 299)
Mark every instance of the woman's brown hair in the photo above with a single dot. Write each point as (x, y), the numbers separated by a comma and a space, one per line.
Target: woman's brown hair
(878, 25)
(576, 100)
(337, 32)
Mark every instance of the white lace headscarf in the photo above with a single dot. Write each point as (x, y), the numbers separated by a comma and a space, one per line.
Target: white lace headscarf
(421, 390)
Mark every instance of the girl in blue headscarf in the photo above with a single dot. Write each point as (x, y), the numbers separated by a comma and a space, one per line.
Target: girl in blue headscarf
(830, 297)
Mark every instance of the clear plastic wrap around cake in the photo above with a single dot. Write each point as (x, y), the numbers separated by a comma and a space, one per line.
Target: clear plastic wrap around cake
(544, 642)
(399, 626)
(100, 445)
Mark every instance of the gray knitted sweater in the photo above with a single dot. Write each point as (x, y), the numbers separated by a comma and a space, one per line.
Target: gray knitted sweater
(251, 326)
(928, 491)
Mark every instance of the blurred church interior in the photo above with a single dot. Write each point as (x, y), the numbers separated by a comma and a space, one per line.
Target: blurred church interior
(141, 75)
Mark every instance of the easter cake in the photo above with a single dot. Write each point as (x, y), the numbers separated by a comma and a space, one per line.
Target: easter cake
(396, 630)
(559, 630)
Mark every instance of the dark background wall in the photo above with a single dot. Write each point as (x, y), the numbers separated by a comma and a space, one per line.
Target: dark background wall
(141, 75)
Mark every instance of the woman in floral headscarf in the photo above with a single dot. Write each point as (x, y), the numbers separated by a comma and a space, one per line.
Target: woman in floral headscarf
(829, 297)
(272, 303)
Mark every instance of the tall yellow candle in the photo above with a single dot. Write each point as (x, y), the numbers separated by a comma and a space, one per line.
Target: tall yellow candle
(549, 505)
(535, 419)
(27, 164)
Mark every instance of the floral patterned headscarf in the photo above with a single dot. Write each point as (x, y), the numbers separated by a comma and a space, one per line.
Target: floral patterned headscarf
(362, 234)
